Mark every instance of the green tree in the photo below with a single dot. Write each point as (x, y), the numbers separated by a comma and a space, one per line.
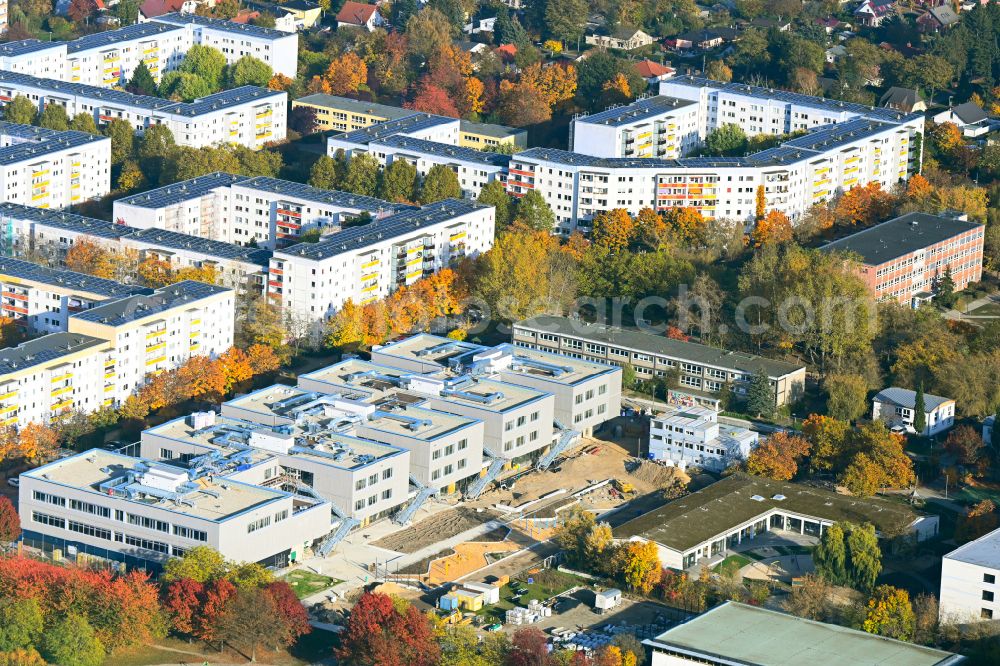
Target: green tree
(583, 539)
(440, 183)
(565, 19)
(995, 433)
(730, 139)
(398, 181)
(20, 110)
(760, 395)
(84, 122)
(155, 148)
(249, 575)
(362, 175)
(533, 212)
(890, 613)
(847, 396)
(427, 32)
(21, 624)
(71, 642)
(184, 86)
(830, 555)
(207, 62)
(460, 647)
(127, 12)
(494, 194)
(265, 20)
(323, 173)
(54, 117)
(865, 556)
(122, 137)
(945, 291)
(201, 564)
(142, 82)
(919, 410)
(249, 71)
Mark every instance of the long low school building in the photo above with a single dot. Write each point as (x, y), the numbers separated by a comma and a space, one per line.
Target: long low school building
(103, 506)
(248, 115)
(53, 169)
(699, 367)
(109, 59)
(706, 524)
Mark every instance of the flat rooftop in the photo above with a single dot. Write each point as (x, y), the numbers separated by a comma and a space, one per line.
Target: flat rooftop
(427, 424)
(244, 29)
(183, 191)
(489, 129)
(477, 392)
(414, 122)
(758, 637)
(637, 111)
(27, 46)
(214, 500)
(47, 144)
(172, 240)
(141, 306)
(323, 446)
(398, 224)
(99, 40)
(291, 189)
(61, 219)
(355, 106)
(984, 551)
(900, 236)
(12, 270)
(47, 348)
(703, 515)
(443, 151)
(658, 344)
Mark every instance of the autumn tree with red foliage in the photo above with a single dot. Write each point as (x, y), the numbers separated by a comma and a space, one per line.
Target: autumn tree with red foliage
(10, 523)
(213, 604)
(778, 456)
(386, 632)
(181, 601)
(293, 615)
(864, 205)
(433, 99)
(529, 647)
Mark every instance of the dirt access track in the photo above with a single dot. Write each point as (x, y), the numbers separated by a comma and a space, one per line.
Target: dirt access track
(437, 528)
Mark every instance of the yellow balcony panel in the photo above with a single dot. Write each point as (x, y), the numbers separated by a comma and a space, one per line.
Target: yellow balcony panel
(154, 361)
(63, 376)
(411, 262)
(110, 387)
(414, 274)
(369, 264)
(156, 347)
(369, 276)
(194, 334)
(195, 322)
(11, 421)
(457, 236)
(68, 402)
(193, 346)
(8, 409)
(156, 334)
(108, 401)
(61, 391)
(8, 394)
(369, 288)
(110, 375)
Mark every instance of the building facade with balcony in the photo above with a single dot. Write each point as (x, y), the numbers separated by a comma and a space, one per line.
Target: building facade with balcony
(311, 281)
(52, 169)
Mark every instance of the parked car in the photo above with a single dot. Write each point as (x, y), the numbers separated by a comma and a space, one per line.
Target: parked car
(14, 481)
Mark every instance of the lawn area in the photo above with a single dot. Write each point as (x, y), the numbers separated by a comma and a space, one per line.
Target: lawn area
(733, 562)
(547, 584)
(987, 310)
(306, 583)
(973, 494)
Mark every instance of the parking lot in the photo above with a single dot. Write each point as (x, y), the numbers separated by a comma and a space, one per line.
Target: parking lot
(574, 612)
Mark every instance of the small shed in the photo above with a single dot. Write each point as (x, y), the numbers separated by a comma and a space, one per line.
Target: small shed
(491, 593)
(606, 600)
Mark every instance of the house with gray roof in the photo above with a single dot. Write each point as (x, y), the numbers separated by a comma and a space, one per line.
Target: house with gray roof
(897, 407)
(969, 117)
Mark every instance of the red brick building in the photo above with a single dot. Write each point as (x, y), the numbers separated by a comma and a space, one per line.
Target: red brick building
(903, 259)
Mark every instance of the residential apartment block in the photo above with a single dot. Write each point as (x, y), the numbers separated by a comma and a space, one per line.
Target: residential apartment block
(904, 259)
(108, 59)
(311, 281)
(632, 156)
(42, 299)
(247, 115)
(969, 589)
(660, 127)
(48, 235)
(693, 436)
(150, 333)
(344, 114)
(104, 506)
(700, 368)
(51, 169)
(267, 212)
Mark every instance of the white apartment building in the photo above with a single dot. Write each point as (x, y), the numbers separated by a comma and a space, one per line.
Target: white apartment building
(241, 210)
(632, 157)
(277, 48)
(364, 480)
(586, 393)
(693, 436)
(427, 126)
(311, 281)
(148, 334)
(108, 59)
(109, 350)
(42, 299)
(969, 589)
(52, 169)
(660, 126)
(248, 115)
(104, 506)
(49, 234)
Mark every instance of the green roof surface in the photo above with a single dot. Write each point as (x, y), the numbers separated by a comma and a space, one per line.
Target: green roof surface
(741, 634)
(703, 515)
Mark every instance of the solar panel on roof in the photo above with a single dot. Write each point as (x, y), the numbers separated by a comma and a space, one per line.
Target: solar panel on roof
(445, 150)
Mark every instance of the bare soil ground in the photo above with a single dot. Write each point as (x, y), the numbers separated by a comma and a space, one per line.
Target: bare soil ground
(437, 528)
